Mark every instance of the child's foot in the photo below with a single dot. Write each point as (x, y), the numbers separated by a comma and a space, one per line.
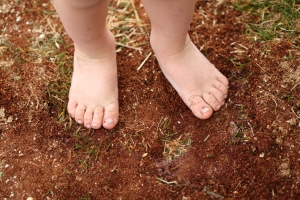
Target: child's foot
(93, 97)
(201, 86)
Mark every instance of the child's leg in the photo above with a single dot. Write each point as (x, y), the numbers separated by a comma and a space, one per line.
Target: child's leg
(201, 86)
(93, 97)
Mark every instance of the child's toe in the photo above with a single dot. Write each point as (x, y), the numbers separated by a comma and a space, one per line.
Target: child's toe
(211, 100)
(111, 116)
(72, 108)
(221, 87)
(218, 95)
(79, 114)
(88, 117)
(199, 107)
(97, 118)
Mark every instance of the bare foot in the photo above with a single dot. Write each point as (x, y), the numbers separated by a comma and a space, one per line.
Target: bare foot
(201, 86)
(93, 97)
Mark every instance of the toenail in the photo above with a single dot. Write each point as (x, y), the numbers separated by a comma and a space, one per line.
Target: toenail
(109, 121)
(95, 125)
(88, 126)
(79, 121)
(205, 110)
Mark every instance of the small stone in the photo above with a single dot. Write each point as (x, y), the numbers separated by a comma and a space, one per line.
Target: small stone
(9, 119)
(42, 36)
(144, 155)
(262, 155)
(279, 140)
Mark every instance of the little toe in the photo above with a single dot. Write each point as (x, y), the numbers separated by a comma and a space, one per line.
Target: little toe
(111, 116)
(199, 107)
(79, 114)
(88, 117)
(71, 108)
(97, 118)
(211, 100)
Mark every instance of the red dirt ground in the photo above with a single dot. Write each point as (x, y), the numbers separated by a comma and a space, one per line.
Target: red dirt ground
(250, 149)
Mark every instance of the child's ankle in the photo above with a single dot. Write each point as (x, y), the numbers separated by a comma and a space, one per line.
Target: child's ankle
(168, 46)
(105, 48)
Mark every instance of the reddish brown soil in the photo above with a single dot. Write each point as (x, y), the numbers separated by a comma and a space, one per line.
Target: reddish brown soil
(250, 149)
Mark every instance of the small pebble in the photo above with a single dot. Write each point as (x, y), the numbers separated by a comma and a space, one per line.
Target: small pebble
(262, 155)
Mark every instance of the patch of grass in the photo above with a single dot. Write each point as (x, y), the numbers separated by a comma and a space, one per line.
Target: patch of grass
(124, 22)
(239, 63)
(1, 174)
(239, 134)
(164, 124)
(49, 47)
(87, 148)
(58, 87)
(176, 147)
(272, 18)
(239, 77)
(46, 46)
(18, 55)
(84, 143)
(288, 97)
(173, 147)
(4, 44)
(242, 128)
(89, 197)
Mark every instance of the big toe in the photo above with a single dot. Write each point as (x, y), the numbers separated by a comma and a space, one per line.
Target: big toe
(199, 107)
(111, 115)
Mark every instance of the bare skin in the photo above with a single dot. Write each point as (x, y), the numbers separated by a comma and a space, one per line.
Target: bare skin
(200, 85)
(93, 97)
